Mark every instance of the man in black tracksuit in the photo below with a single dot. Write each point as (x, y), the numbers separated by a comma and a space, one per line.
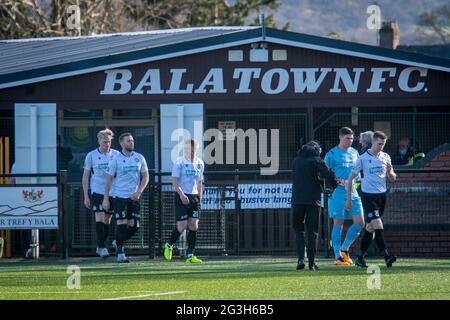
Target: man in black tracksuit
(308, 170)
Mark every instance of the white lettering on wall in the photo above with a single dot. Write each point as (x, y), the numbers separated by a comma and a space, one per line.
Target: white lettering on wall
(403, 79)
(305, 78)
(245, 74)
(150, 79)
(343, 75)
(283, 81)
(214, 78)
(271, 82)
(175, 83)
(112, 79)
(377, 78)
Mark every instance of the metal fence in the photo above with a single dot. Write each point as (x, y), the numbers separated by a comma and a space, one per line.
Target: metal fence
(78, 131)
(212, 239)
(417, 209)
(425, 130)
(81, 229)
(244, 215)
(292, 130)
(416, 219)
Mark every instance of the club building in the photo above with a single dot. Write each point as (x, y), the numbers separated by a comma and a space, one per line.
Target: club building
(288, 87)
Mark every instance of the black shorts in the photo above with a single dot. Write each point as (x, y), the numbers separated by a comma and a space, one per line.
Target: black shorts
(125, 208)
(373, 204)
(97, 203)
(185, 211)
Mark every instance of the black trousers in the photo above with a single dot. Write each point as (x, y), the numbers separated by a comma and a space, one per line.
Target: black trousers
(306, 215)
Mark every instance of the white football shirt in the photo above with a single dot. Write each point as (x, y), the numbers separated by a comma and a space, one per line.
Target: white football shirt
(126, 171)
(98, 163)
(189, 174)
(374, 169)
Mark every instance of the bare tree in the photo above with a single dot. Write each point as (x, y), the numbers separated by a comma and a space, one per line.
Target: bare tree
(436, 22)
(191, 13)
(44, 18)
(33, 18)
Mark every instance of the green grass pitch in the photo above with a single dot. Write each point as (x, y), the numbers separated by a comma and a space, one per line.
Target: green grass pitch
(221, 278)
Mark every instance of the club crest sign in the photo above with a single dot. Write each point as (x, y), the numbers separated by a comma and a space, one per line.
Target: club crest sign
(32, 195)
(29, 208)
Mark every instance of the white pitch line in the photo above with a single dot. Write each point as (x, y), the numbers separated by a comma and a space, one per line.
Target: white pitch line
(146, 295)
(42, 292)
(73, 291)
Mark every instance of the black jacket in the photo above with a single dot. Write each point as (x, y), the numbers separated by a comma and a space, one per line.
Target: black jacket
(399, 159)
(308, 166)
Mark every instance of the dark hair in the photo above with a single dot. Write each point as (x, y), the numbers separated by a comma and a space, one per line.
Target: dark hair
(379, 135)
(123, 135)
(345, 131)
(315, 145)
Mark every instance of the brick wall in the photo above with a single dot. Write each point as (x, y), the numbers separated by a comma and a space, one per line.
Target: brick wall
(414, 210)
(412, 243)
(419, 243)
(439, 161)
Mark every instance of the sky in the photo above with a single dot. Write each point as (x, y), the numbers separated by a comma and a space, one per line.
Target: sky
(349, 18)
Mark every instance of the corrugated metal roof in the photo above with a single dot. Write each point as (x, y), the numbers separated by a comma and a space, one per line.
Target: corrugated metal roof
(29, 54)
(438, 50)
(34, 60)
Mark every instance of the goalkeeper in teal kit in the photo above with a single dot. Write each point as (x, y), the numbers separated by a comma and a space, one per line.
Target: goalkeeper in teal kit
(341, 159)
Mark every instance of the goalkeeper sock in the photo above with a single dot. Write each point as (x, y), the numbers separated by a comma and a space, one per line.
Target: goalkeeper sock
(336, 237)
(352, 234)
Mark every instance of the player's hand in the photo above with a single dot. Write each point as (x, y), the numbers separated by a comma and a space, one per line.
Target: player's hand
(388, 167)
(105, 204)
(87, 202)
(135, 196)
(184, 199)
(392, 177)
(348, 205)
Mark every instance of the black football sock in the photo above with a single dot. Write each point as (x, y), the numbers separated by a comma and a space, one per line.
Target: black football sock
(131, 231)
(105, 231)
(174, 237)
(191, 239)
(365, 243)
(379, 239)
(121, 235)
(99, 227)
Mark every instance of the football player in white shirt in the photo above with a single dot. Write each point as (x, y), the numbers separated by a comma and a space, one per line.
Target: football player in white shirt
(96, 167)
(187, 179)
(126, 168)
(377, 168)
